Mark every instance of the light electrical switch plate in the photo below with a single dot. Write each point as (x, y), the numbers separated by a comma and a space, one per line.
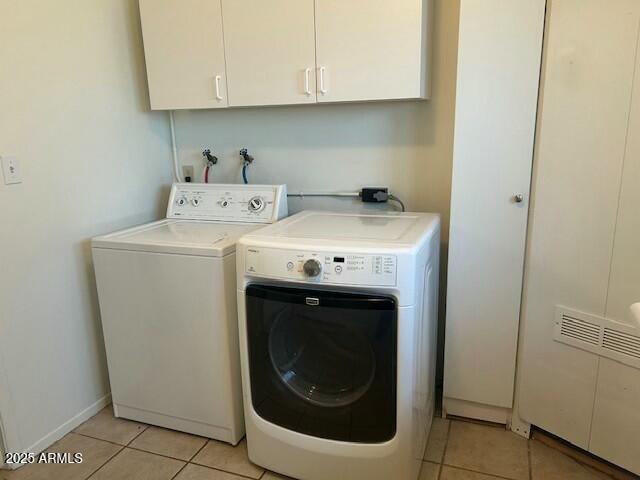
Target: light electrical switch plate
(11, 170)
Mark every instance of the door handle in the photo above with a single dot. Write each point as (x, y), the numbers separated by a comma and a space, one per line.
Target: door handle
(323, 89)
(518, 198)
(307, 74)
(218, 96)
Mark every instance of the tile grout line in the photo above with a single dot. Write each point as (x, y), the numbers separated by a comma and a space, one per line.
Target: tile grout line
(492, 475)
(188, 462)
(141, 432)
(199, 450)
(109, 459)
(101, 439)
(444, 451)
(179, 471)
(191, 462)
(529, 459)
(143, 451)
(218, 469)
(477, 471)
(157, 454)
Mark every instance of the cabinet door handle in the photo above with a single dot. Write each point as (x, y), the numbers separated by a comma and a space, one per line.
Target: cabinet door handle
(518, 198)
(307, 74)
(218, 96)
(323, 89)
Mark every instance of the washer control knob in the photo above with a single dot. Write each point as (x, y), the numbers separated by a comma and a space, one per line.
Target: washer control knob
(256, 204)
(195, 202)
(182, 201)
(312, 267)
(223, 203)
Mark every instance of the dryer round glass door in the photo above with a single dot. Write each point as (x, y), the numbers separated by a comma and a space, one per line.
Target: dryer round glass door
(326, 363)
(323, 363)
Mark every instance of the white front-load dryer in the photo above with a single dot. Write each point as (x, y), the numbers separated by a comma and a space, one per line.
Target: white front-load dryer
(338, 323)
(167, 294)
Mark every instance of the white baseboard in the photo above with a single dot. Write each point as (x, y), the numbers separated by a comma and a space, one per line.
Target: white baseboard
(56, 434)
(477, 411)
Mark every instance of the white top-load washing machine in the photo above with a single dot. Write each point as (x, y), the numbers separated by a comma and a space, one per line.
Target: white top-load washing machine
(338, 323)
(167, 294)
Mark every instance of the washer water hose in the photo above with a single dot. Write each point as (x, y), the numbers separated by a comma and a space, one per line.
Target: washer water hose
(246, 161)
(211, 161)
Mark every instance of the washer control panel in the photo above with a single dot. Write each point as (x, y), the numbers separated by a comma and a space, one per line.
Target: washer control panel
(322, 267)
(228, 202)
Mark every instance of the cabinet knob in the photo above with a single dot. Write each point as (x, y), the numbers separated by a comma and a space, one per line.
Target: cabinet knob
(518, 198)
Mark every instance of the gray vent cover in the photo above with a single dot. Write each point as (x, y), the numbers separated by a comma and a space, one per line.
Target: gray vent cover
(598, 335)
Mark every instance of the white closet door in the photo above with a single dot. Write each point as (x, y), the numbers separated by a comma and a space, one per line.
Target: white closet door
(270, 49)
(590, 60)
(624, 278)
(184, 52)
(615, 432)
(371, 49)
(500, 46)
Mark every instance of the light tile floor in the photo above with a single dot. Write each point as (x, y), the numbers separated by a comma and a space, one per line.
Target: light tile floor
(117, 449)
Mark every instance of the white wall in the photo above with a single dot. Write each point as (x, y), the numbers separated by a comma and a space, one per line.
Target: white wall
(73, 110)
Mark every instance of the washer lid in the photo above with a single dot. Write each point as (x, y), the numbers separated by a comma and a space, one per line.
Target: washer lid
(187, 237)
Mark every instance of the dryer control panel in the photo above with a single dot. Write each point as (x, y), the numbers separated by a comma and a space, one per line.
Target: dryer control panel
(322, 267)
(228, 202)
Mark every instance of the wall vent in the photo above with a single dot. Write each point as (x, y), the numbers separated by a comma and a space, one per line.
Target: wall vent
(580, 329)
(621, 342)
(598, 335)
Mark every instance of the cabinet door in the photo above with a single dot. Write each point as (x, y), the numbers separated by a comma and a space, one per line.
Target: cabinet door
(184, 51)
(270, 50)
(371, 49)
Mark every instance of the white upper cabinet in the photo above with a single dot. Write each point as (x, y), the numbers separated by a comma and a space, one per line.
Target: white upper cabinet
(270, 49)
(184, 51)
(218, 53)
(372, 49)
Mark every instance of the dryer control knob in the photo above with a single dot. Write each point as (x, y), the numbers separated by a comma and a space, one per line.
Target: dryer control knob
(312, 267)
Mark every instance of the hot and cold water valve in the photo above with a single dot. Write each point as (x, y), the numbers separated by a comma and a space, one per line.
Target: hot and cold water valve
(211, 161)
(246, 161)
